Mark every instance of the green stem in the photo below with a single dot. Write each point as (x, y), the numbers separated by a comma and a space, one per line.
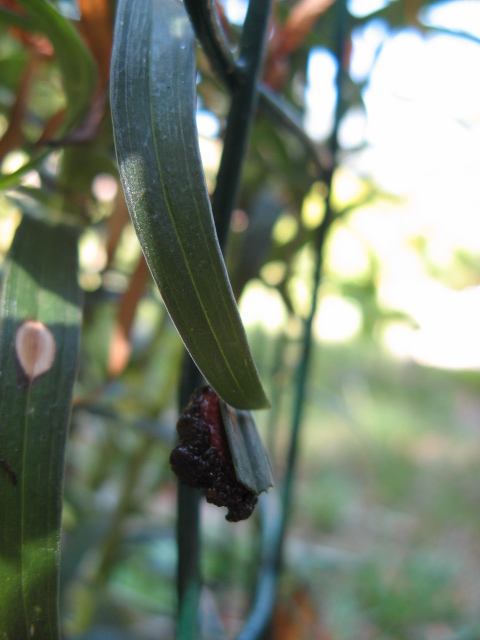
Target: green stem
(299, 403)
(204, 17)
(286, 116)
(244, 98)
(228, 179)
(257, 625)
(188, 530)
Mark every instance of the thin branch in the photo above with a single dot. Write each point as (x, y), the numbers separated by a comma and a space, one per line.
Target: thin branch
(299, 402)
(244, 99)
(204, 17)
(188, 530)
(210, 34)
(286, 116)
(257, 625)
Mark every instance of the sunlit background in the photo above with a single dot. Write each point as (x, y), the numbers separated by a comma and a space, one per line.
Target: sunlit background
(419, 140)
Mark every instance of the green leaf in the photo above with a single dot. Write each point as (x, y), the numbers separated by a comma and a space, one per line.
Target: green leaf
(153, 109)
(8, 180)
(13, 19)
(40, 319)
(74, 60)
(252, 466)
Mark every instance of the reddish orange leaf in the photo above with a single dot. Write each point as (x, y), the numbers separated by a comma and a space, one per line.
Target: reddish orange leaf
(13, 136)
(120, 346)
(97, 30)
(289, 37)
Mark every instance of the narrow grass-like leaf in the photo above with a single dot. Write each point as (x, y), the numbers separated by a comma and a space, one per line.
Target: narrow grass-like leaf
(153, 108)
(8, 180)
(74, 60)
(250, 459)
(39, 335)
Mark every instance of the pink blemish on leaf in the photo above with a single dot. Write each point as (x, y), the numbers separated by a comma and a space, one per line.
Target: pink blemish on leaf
(35, 348)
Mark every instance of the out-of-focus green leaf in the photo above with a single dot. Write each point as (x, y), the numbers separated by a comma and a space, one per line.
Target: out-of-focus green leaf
(8, 180)
(250, 459)
(39, 335)
(13, 19)
(74, 60)
(153, 107)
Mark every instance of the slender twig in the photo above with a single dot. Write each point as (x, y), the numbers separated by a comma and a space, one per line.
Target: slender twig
(188, 530)
(208, 29)
(204, 17)
(244, 98)
(257, 625)
(286, 116)
(299, 403)
(453, 32)
(270, 515)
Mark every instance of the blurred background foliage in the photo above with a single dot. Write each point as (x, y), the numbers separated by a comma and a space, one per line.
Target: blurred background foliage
(385, 527)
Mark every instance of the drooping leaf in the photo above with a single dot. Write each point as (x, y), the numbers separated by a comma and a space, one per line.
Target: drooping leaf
(250, 459)
(74, 60)
(39, 334)
(153, 109)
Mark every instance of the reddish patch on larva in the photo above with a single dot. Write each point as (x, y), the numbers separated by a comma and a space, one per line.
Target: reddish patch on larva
(211, 414)
(202, 458)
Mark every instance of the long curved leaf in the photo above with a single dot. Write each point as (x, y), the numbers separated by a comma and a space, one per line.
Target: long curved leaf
(153, 109)
(74, 60)
(39, 334)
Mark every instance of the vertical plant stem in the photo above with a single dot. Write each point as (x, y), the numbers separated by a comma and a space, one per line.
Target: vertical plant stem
(300, 391)
(244, 99)
(301, 382)
(228, 179)
(188, 529)
(258, 624)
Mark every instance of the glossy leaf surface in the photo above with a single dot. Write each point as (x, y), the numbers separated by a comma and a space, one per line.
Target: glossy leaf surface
(39, 335)
(153, 108)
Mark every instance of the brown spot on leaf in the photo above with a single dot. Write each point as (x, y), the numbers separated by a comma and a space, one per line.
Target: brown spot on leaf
(35, 348)
(9, 470)
(202, 458)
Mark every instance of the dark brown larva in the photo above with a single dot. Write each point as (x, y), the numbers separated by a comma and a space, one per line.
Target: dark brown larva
(202, 458)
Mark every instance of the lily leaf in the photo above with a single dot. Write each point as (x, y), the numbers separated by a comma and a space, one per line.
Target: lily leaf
(153, 110)
(252, 466)
(74, 60)
(39, 335)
